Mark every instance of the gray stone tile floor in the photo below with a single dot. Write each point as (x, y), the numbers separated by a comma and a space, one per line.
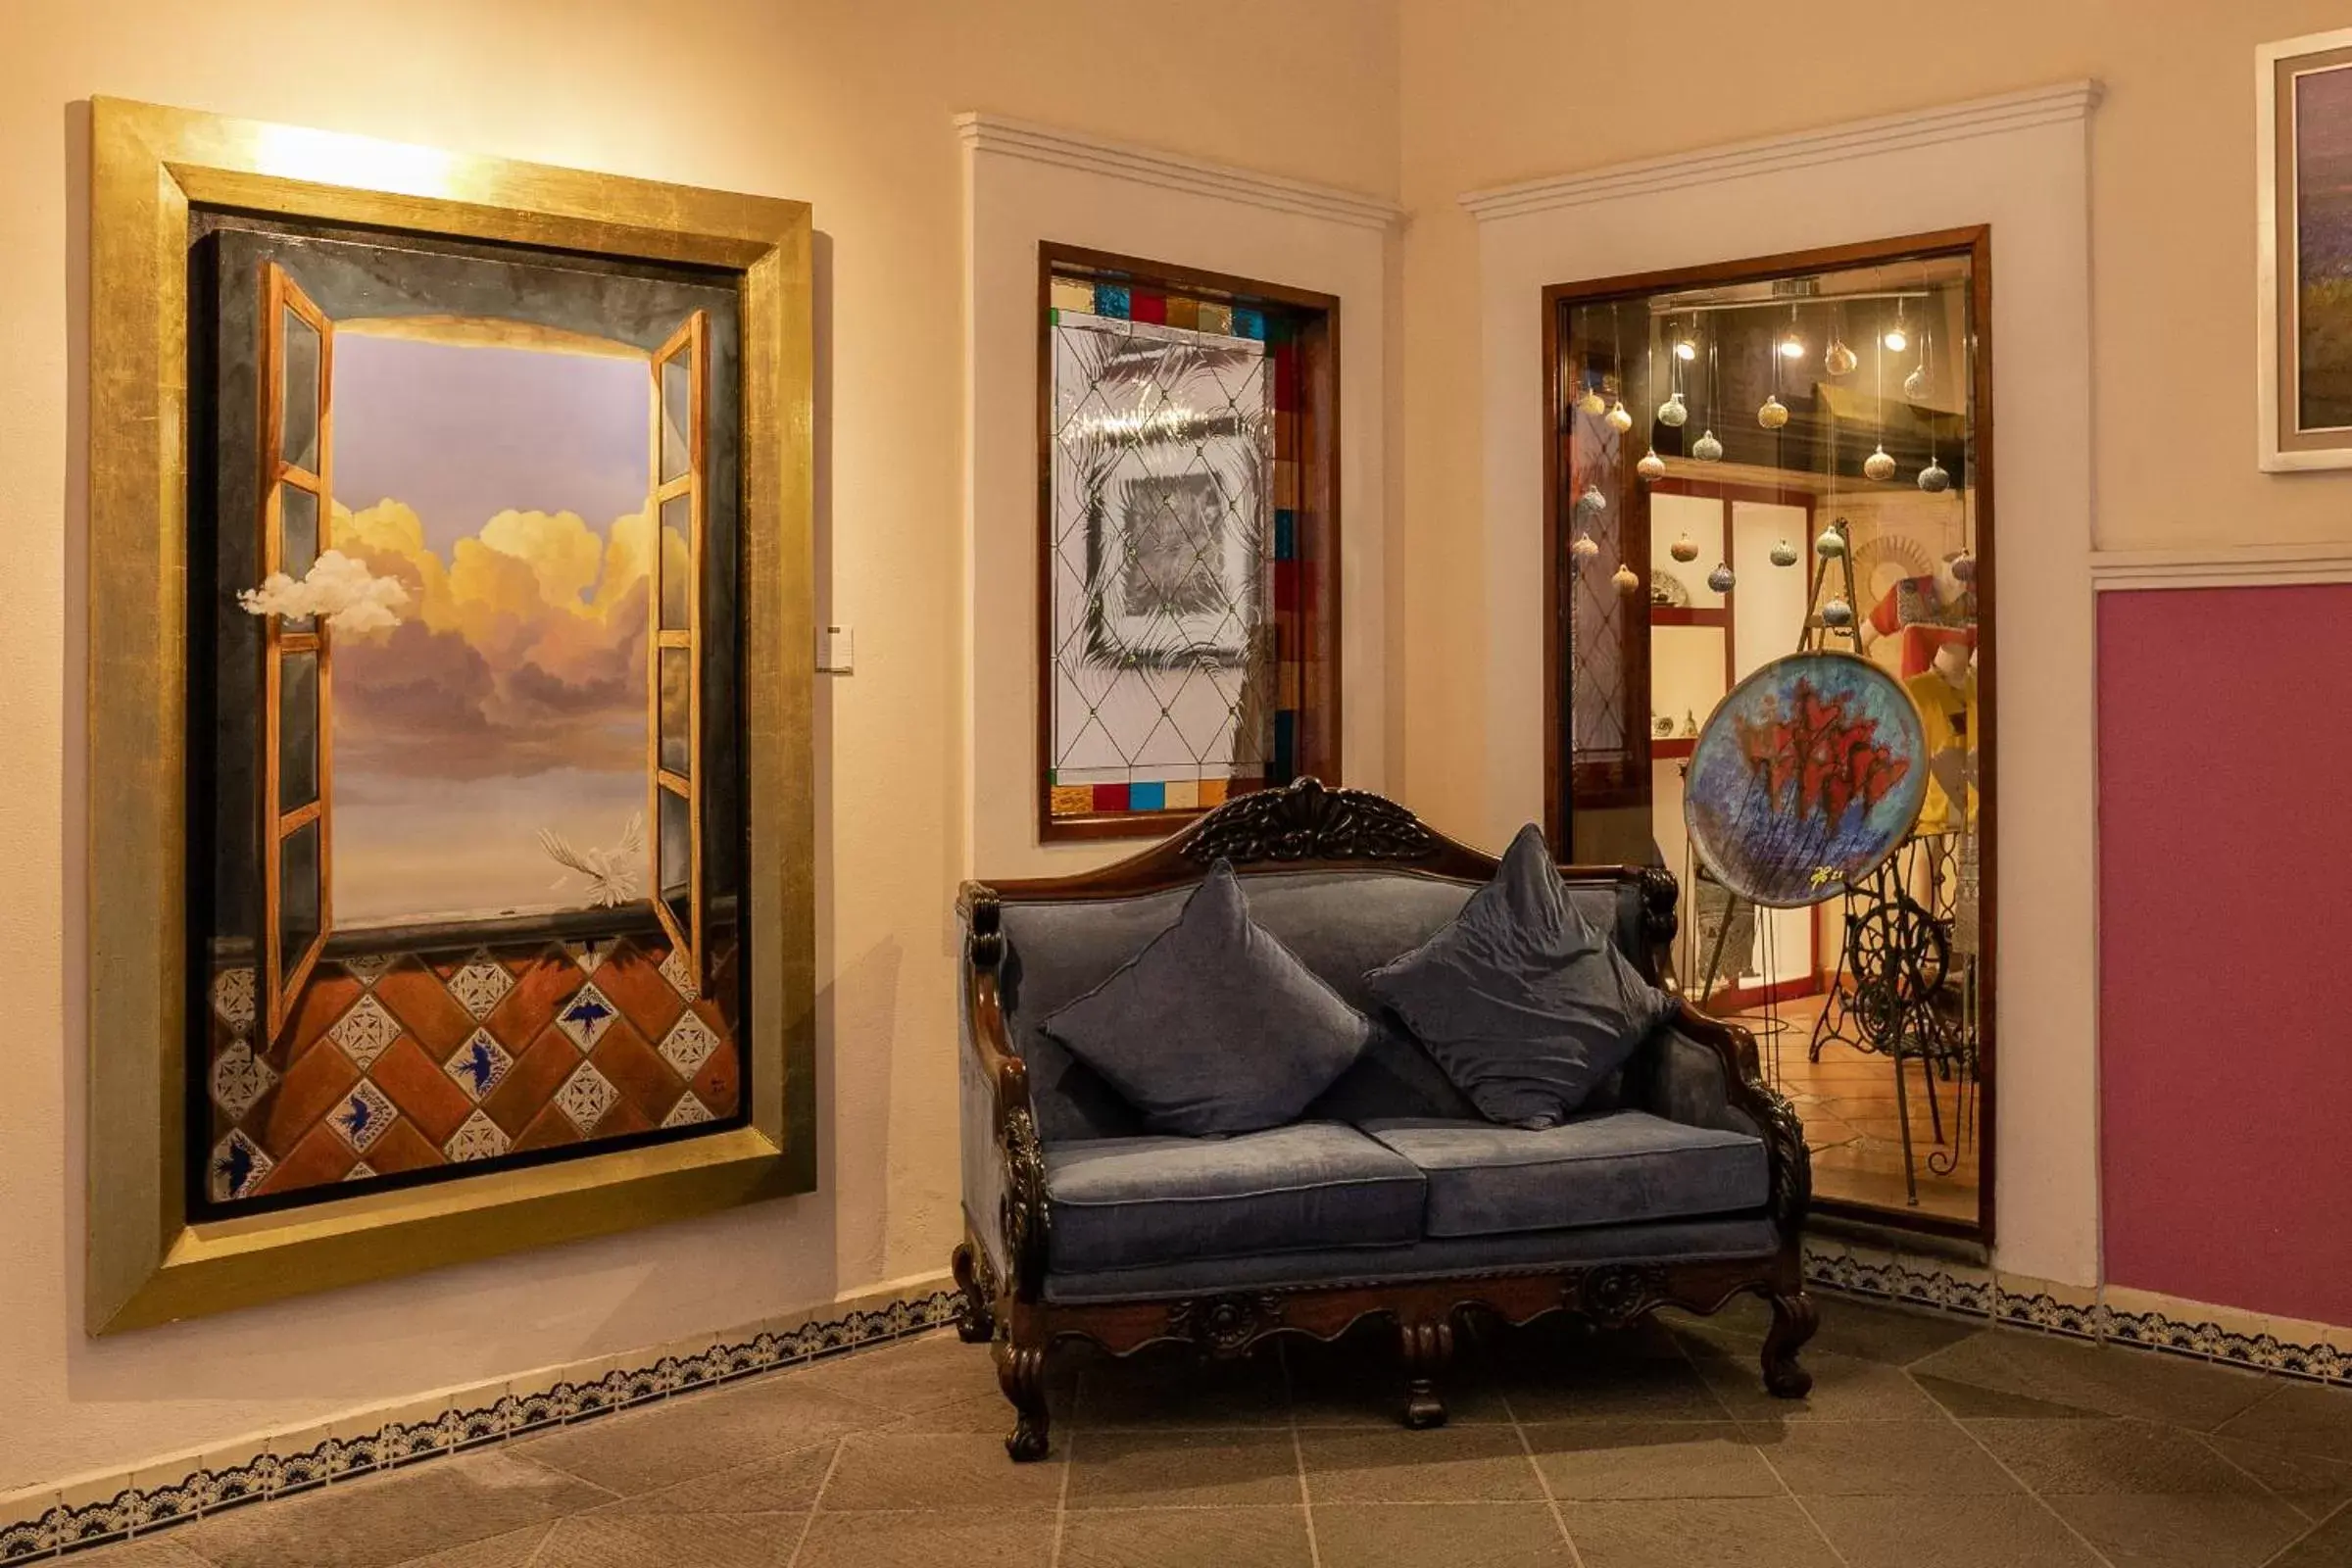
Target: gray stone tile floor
(1928, 1442)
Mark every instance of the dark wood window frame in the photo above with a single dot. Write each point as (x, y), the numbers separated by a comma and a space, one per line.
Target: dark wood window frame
(1559, 516)
(1317, 746)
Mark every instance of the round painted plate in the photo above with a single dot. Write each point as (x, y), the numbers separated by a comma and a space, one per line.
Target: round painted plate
(1805, 778)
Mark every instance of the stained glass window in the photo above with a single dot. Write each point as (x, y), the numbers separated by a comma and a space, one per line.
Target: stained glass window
(1189, 546)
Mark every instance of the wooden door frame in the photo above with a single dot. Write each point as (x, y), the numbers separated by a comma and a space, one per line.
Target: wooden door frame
(1976, 243)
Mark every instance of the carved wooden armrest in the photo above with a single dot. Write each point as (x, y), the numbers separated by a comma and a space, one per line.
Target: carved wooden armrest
(1022, 1219)
(1789, 1162)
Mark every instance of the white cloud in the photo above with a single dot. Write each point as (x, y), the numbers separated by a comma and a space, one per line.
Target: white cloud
(342, 589)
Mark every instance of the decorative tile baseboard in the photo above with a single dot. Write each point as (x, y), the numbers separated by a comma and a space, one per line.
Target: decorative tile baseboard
(1977, 1293)
(67, 1527)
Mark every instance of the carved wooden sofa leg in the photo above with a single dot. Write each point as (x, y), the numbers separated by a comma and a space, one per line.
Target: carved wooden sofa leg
(1794, 1318)
(1021, 1374)
(1428, 1348)
(978, 1323)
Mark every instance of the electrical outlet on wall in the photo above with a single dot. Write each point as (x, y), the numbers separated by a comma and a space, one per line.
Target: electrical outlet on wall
(836, 649)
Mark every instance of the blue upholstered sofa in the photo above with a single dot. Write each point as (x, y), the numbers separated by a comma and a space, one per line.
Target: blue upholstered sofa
(1682, 1181)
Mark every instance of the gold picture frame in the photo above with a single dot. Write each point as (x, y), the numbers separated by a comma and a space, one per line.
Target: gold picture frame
(2305, 318)
(147, 1261)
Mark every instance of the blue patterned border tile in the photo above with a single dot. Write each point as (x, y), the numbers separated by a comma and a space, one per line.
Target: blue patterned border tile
(61, 1530)
(2152, 1331)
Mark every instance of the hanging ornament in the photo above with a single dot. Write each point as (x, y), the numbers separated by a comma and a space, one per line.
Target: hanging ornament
(1651, 465)
(1707, 449)
(1838, 359)
(1964, 568)
(1618, 419)
(1831, 545)
(1584, 549)
(1878, 466)
(1784, 553)
(1915, 385)
(1721, 578)
(1672, 411)
(1625, 579)
(1773, 413)
(1684, 548)
(1591, 402)
(1934, 479)
(1591, 504)
(1836, 612)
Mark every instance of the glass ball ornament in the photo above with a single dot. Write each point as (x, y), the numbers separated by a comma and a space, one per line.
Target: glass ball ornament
(1591, 402)
(1773, 413)
(1838, 614)
(1831, 545)
(1624, 579)
(1934, 479)
(1651, 465)
(1878, 466)
(1838, 359)
(1721, 578)
(1591, 504)
(1707, 449)
(1672, 412)
(1684, 548)
(1915, 385)
(1618, 419)
(1584, 549)
(1964, 568)
(1784, 553)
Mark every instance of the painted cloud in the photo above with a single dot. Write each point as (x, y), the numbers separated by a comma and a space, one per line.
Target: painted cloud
(352, 598)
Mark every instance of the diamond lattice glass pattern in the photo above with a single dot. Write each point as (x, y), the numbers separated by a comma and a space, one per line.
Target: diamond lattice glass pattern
(1165, 643)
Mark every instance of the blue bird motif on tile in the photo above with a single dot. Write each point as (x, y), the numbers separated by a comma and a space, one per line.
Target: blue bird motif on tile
(235, 1168)
(480, 1065)
(589, 1012)
(358, 1116)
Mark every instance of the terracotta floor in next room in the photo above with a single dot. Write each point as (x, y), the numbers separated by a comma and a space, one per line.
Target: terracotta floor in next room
(1927, 1442)
(1853, 1124)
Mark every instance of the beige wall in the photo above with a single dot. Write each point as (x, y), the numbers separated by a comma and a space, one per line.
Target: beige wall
(843, 104)
(1502, 90)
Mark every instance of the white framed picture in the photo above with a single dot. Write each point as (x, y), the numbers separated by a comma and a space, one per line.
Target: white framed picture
(2303, 91)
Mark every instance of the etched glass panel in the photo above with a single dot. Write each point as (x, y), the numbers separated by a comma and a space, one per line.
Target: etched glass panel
(298, 541)
(1165, 651)
(678, 711)
(297, 895)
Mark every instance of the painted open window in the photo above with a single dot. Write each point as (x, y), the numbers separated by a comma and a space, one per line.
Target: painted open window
(471, 748)
(1188, 616)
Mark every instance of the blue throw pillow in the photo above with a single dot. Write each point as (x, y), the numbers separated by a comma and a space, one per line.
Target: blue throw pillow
(1527, 1007)
(1214, 1027)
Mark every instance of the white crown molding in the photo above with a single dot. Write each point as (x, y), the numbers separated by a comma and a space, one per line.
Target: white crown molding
(1069, 149)
(1859, 139)
(2220, 566)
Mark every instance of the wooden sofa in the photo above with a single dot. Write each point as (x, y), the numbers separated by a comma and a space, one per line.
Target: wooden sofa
(1346, 879)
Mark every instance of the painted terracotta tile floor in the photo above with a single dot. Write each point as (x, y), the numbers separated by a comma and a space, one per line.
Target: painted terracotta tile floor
(1929, 1443)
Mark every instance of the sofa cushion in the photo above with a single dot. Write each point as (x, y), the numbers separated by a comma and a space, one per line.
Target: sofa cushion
(1118, 1202)
(1338, 924)
(1611, 1169)
(1432, 1257)
(1214, 1027)
(1526, 1006)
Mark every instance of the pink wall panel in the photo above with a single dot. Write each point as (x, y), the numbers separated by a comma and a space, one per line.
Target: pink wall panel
(2225, 946)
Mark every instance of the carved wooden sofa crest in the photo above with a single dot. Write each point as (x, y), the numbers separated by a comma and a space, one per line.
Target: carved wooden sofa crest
(1056, 1249)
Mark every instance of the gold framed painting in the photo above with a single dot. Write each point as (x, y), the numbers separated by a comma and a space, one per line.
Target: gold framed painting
(2303, 91)
(449, 773)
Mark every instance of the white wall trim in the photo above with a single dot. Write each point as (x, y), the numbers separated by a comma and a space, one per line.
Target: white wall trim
(2220, 566)
(1860, 138)
(1046, 144)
